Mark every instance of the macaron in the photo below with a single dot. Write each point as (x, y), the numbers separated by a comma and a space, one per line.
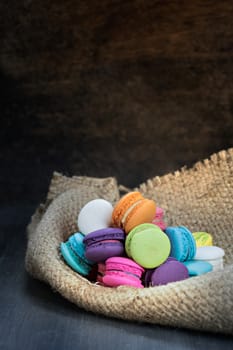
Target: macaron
(104, 243)
(95, 215)
(73, 253)
(183, 245)
(197, 267)
(147, 245)
(158, 219)
(203, 239)
(171, 270)
(100, 273)
(132, 210)
(92, 276)
(122, 271)
(212, 254)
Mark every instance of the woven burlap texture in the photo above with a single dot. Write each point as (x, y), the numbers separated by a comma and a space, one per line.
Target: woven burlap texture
(200, 198)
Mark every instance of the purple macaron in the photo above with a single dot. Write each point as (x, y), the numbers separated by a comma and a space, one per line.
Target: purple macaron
(105, 243)
(171, 270)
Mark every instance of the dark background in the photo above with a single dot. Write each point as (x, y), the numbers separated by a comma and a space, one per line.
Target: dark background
(131, 89)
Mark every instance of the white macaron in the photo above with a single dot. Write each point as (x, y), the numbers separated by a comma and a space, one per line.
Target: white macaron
(95, 215)
(212, 254)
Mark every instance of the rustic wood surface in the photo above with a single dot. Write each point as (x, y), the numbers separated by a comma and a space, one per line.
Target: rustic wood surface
(130, 89)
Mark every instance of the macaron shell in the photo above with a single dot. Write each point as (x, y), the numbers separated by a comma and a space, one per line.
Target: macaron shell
(148, 245)
(159, 212)
(183, 245)
(160, 224)
(197, 267)
(191, 242)
(144, 212)
(101, 251)
(149, 273)
(158, 219)
(77, 245)
(209, 253)
(179, 243)
(123, 205)
(122, 271)
(169, 271)
(121, 280)
(73, 260)
(95, 215)
(203, 239)
(105, 243)
(216, 263)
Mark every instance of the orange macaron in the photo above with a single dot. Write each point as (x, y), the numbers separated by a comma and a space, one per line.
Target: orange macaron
(132, 210)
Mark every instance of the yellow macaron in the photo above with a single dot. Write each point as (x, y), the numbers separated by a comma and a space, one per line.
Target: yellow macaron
(203, 239)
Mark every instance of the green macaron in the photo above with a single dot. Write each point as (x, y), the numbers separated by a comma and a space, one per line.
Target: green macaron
(147, 245)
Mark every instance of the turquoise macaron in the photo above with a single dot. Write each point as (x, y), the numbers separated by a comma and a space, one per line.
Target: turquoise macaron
(197, 267)
(73, 252)
(183, 245)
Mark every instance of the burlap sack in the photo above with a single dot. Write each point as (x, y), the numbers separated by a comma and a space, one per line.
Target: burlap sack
(200, 198)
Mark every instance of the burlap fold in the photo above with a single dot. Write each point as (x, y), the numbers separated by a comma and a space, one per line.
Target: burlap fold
(200, 198)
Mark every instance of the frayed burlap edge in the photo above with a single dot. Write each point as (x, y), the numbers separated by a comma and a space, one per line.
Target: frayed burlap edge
(60, 183)
(201, 198)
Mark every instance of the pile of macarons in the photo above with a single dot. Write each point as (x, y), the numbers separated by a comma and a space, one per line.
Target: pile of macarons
(130, 244)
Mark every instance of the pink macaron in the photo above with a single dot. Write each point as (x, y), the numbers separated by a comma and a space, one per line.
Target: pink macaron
(122, 271)
(158, 219)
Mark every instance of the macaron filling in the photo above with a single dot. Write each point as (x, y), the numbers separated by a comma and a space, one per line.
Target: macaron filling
(125, 272)
(124, 203)
(129, 210)
(103, 235)
(114, 236)
(106, 241)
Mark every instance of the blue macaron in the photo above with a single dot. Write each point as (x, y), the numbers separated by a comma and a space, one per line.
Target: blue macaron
(183, 245)
(73, 252)
(197, 267)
